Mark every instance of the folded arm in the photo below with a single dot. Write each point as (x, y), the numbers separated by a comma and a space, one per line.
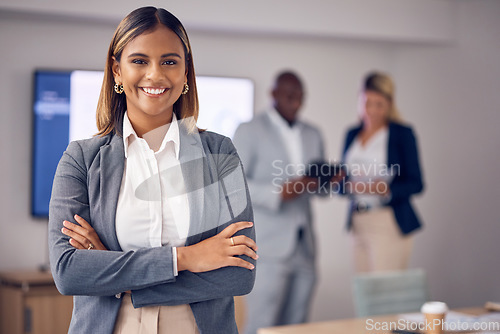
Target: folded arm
(96, 272)
(191, 287)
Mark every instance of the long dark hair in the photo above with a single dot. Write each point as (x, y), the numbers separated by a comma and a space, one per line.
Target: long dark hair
(111, 106)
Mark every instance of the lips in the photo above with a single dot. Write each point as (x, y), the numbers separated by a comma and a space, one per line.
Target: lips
(153, 91)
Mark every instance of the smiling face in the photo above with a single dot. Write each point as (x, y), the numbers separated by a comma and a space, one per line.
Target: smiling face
(374, 109)
(152, 70)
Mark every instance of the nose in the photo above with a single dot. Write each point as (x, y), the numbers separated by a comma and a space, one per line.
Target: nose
(294, 100)
(369, 109)
(154, 72)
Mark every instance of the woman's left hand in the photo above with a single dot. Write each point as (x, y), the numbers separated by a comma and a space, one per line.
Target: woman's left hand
(82, 236)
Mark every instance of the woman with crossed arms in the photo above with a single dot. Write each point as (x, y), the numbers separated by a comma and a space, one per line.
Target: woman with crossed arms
(150, 221)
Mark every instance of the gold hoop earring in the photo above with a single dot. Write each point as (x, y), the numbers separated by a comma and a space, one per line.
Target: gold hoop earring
(118, 88)
(186, 89)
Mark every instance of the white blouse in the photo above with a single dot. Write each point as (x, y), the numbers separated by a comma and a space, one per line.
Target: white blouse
(368, 163)
(153, 207)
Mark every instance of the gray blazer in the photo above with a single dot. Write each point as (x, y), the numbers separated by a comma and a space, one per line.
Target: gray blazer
(264, 157)
(87, 183)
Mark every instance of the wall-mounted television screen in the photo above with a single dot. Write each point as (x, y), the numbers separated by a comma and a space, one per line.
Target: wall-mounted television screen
(64, 109)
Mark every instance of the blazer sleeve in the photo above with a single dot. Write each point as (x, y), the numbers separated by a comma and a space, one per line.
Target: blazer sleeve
(264, 194)
(408, 179)
(94, 273)
(224, 282)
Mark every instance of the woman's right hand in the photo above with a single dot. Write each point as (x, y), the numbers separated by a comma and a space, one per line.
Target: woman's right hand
(219, 251)
(82, 236)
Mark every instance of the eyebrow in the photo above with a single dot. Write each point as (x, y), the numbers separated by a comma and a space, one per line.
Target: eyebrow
(137, 54)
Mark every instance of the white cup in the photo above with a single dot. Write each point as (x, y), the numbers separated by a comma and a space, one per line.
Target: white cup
(434, 313)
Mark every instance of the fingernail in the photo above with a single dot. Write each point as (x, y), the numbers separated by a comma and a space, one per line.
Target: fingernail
(65, 223)
(76, 216)
(252, 267)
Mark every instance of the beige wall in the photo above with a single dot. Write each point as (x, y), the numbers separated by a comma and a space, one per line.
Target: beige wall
(452, 92)
(447, 90)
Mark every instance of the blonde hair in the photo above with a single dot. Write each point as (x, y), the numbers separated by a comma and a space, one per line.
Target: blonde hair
(382, 83)
(111, 106)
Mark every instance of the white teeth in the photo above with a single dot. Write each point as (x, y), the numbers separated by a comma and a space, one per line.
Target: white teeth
(153, 90)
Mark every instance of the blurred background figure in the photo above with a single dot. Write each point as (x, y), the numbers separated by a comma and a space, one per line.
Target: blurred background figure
(384, 172)
(273, 147)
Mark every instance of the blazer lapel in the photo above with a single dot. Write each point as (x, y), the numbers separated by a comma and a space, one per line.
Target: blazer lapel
(192, 159)
(112, 163)
(392, 146)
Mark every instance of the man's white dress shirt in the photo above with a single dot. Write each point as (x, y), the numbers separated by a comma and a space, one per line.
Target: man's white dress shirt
(292, 138)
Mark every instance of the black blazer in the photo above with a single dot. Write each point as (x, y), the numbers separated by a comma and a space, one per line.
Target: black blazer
(402, 150)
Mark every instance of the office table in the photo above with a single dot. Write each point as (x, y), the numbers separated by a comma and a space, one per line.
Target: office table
(30, 303)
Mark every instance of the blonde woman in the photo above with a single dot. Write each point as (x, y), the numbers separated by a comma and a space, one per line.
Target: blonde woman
(384, 172)
(150, 222)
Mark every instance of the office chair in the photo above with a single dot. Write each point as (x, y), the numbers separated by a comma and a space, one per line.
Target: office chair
(389, 292)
